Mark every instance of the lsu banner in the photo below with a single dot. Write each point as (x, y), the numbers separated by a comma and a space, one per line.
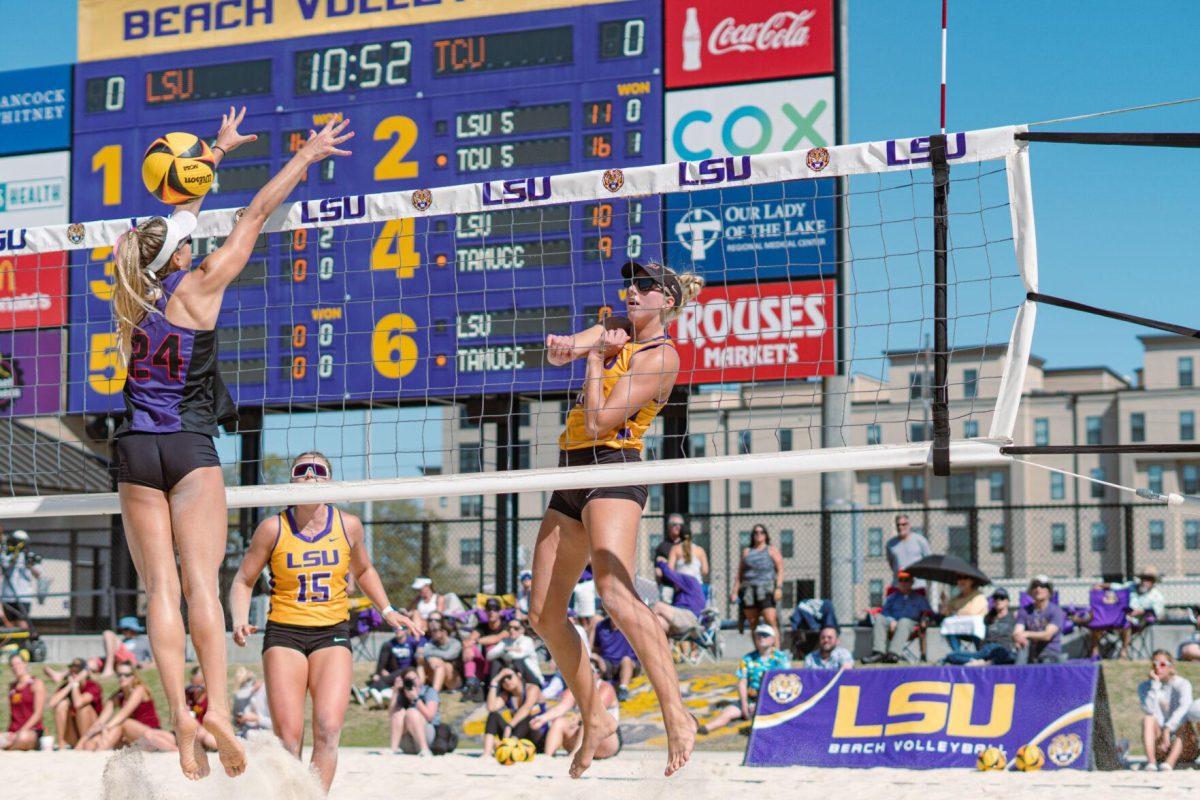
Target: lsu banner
(931, 717)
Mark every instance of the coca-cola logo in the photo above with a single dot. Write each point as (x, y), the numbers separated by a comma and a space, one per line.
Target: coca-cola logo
(782, 30)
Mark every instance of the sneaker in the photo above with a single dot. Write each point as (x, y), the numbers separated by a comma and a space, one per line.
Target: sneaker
(426, 753)
(622, 693)
(376, 696)
(359, 695)
(874, 658)
(1164, 767)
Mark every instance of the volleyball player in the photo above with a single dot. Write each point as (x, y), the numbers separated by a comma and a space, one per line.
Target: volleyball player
(310, 549)
(169, 478)
(631, 369)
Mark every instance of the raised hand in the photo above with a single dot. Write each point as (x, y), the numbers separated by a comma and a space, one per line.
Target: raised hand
(611, 342)
(324, 143)
(228, 137)
(559, 349)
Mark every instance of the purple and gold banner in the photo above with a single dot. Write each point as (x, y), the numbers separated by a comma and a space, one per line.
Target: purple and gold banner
(924, 717)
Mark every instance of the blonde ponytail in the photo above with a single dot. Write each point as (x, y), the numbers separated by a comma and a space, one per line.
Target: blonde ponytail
(136, 290)
(691, 284)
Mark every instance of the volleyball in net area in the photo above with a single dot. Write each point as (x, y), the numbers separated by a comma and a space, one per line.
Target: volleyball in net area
(394, 330)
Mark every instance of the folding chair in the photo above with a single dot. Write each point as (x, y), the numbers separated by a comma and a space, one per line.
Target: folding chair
(1107, 610)
(1141, 639)
(915, 649)
(364, 620)
(705, 637)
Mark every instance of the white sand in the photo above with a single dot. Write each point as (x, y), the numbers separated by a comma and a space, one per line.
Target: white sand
(372, 775)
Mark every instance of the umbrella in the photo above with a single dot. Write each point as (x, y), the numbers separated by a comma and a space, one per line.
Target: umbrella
(945, 569)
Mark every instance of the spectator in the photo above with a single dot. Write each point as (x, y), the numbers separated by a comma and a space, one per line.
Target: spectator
(968, 602)
(750, 671)
(414, 714)
(512, 703)
(488, 632)
(19, 573)
(26, 701)
(524, 589)
(564, 730)
(250, 709)
(129, 645)
(440, 656)
(1166, 699)
(828, 655)
(759, 582)
(517, 651)
(395, 655)
(196, 694)
(76, 703)
(1038, 632)
(427, 600)
(675, 526)
(1146, 606)
(688, 558)
(583, 599)
(615, 660)
(897, 622)
(998, 646)
(905, 549)
(129, 717)
(1189, 649)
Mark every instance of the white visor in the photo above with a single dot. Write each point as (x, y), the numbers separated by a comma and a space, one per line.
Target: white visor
(179, 226)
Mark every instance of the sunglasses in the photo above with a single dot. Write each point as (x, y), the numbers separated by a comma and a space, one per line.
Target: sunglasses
(314, 468)
(123, 675)
(765, 635)
(646, 285)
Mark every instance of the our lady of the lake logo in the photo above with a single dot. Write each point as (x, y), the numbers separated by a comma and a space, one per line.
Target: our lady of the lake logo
(613, 179)
(1064, 749)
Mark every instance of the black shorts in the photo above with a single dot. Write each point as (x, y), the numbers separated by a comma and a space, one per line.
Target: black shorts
(161, 460)
(571, 501)
(306, 638)
(758, 596)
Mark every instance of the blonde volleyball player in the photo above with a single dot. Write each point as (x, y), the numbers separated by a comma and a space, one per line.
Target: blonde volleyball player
(631, 370)
(310, 550)
(168, 476)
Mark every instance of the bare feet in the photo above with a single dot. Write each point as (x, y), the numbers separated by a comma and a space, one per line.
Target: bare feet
(229, 749)
(595, 731)
(681, 737)
(192, 758)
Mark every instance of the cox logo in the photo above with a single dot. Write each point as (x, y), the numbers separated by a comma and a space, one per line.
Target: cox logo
(12, 238)
(517, 190)
(757, 130)
(333, 209)
(714, 170)
(916, 151)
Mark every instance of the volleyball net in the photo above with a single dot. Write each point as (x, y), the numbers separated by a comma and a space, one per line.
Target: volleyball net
(403, 333)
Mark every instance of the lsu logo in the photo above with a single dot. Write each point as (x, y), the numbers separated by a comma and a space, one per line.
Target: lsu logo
(916, 151)
(932, 715)
(613, 179)
(313, 558)
(422, 199)
(785, 688)
(1065, 749)
(333, 209)
(517, 190)
(75, 233)
(817, 159)
(728, 169)
(12, 238)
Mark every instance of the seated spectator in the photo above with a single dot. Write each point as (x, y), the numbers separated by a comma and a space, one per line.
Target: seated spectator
(583, 601)
(395, 655)
(517, 651)
(1038, 632)
(998, 646)
(487, 633)
(196, 696)
(1189, 649)
(828, 654)
(809, 618)
(1166, 700)
(26, 701)
(524, 589)
(76, 703)
(750, 671)
(967, 602)
(898, 622)
(614, 657)
(414, 714)
(564, 729)
(250, 709)
(512, 703)
(129, 645)
(440, 656)
(1146, 606)
(427, 600)
(554, 685)
(129, 717)
(682, 614)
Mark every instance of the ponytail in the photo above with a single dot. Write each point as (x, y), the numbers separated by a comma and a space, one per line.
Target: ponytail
(691, 284)
(136, 289)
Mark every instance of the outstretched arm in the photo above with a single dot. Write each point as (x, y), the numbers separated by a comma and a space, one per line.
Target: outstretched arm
(368, 579)
(228, 140)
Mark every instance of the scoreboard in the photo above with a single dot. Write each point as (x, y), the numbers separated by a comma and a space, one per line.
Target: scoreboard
(407, 308)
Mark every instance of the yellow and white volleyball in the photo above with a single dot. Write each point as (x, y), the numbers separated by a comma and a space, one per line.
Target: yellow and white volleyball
(178, 168)
(990, 759)
(1030, 758)
(514, 751)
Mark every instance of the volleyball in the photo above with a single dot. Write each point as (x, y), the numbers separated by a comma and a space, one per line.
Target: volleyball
(990, 759)
(1030, 758)
(513, 751)
(178, 168)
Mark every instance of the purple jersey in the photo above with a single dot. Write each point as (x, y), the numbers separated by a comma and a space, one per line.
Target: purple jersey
(173, 382)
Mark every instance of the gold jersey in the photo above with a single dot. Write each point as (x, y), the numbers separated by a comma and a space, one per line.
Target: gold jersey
(626, 435)
(308, 574)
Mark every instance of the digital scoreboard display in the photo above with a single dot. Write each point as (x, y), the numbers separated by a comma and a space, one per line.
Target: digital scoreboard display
(405, 309)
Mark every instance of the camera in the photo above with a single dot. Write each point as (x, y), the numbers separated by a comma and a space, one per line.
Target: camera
(409, 684)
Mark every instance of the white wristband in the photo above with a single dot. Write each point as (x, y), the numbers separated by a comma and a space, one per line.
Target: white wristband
(390, 608)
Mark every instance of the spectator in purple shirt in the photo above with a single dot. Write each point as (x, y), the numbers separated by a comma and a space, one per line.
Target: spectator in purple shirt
(616, 662)
(1038, 632)
(687, 603)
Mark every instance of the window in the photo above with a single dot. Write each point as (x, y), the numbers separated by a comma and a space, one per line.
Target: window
(1158, 531)
(1058, 486)
(653, 448)
(697, 445)
(1191, 534)
(745, 494)
(1058, 537)
(1185, 370)
(996, 538)
(916, 386)
(785, 440)
(523, 416)
(1041, 431)
(1187, 425)
(912, 488)
(1154, 478)
(962, 489)
(524, 455)
(997, 486)
(1137, 427)
(875, 593)
(918, 432)
(656, 497)
(470, 458)
(744, 538)
(874, 434)
(970, 429)
(874, 490)
(1099, 537)
(785, 493)
(1097, 492)
(970, 382)
(787, 543)
(699, 498)
(466, 421)
(744, 439)
(470, 505)
(875, 542)
(1191, 479)
(470, 552)
(1095, 430)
